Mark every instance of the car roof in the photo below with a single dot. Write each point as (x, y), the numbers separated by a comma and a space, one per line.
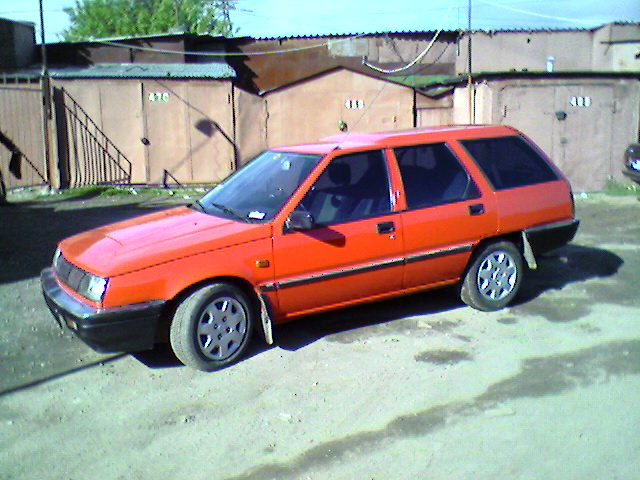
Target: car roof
(358, 141)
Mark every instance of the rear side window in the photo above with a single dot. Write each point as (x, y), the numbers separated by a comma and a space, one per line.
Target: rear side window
(509, 162)
(432, 175)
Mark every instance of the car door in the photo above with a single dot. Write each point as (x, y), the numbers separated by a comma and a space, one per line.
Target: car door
(446, 214)
(354, 249)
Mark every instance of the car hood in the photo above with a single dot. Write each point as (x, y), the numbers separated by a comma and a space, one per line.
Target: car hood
(156, 238)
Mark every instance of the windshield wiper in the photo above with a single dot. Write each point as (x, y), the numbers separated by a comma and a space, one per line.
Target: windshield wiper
(198, 206)
(228, 211)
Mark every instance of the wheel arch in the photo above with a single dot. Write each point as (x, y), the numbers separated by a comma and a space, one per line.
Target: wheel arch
(512, 237)
(468, 287)
(162, 333)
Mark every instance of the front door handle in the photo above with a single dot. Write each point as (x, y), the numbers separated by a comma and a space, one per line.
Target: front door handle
(386, 227)
(476, 209)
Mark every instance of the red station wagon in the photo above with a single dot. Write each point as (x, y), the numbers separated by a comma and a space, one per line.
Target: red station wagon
(307, 228)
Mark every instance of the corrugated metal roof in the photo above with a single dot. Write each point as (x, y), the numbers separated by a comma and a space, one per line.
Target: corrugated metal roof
(417, 80)
(428, 32)
(353, 34)
(462, 78)
(533, 30)
(515, 29)
(146, 70)
(136, 38)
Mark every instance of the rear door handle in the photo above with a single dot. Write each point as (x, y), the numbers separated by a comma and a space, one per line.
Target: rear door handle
(386, 227)
(476, 209)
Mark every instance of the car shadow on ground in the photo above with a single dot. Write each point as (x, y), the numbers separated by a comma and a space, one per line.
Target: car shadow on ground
(31, 230)
(39, 381)
(569, 264)
(297, 334)
(300, 333)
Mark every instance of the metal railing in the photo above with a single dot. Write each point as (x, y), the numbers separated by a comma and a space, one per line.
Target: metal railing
(93, 159)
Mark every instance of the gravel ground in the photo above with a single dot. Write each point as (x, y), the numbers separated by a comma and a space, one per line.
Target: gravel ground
(418, 387)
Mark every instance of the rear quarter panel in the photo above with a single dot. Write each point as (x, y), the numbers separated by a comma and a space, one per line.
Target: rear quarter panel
(533, 205)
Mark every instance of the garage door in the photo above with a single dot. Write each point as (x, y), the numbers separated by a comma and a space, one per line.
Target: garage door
(572, 123)
(188, 131)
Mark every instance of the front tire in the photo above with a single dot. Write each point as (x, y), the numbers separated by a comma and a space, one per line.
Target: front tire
(493, 278)
(212, 327)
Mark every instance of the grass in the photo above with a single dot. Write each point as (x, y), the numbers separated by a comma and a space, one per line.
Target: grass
(612, 188)
(82, 192)
(90, 192)
(119, 191)
(617, 189)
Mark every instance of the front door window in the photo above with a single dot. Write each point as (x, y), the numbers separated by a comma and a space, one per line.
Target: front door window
(352, 187)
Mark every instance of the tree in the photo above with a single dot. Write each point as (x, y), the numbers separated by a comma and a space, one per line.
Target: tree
(114, 18)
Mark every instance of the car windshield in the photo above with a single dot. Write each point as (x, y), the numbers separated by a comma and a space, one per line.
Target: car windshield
(259, 190)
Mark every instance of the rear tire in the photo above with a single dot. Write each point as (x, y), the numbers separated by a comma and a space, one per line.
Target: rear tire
(493, 278)
(212, 327)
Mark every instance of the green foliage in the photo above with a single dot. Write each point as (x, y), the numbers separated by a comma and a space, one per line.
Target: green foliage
(84, 193)
(617, 189)
(116, 18)
(418, 80)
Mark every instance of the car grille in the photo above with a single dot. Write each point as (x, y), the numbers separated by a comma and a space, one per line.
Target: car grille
(68, 273)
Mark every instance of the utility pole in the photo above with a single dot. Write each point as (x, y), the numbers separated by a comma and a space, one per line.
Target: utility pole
(469, 79)
(45, 86)
(225, 6)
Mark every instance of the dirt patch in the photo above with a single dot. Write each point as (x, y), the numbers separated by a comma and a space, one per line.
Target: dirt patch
(443, 357)
(417, 387)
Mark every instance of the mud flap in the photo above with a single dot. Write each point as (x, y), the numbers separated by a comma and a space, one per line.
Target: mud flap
(266, 321)
(528, 252)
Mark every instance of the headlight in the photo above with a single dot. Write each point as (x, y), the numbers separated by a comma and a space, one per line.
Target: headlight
(92, 287)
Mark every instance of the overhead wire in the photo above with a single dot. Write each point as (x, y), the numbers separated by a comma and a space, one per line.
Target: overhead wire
(337, 16)
(267, 52)
(421, 55)
(346, 38)
(227, 54)
(535, 14)
(384, 84)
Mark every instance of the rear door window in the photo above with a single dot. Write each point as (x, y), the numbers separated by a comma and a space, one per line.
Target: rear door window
(509, 162)
(432, 175)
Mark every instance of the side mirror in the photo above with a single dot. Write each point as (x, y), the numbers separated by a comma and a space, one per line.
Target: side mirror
(299, 221)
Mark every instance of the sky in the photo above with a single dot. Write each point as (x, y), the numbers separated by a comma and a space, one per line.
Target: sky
(273, 18)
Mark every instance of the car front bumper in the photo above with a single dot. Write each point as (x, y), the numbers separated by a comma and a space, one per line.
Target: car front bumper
(123, 329)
